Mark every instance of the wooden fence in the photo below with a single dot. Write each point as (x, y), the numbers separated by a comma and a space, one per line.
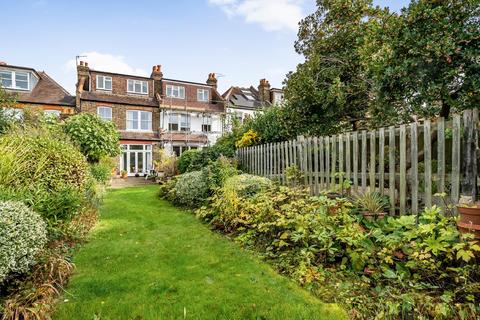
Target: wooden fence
(409, 163)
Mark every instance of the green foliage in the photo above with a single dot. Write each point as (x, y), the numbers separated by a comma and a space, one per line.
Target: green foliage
(7, 119)
(186, 159)
(44, 171)
(191, 189)
(367, 67)
(392, 268)
(22, 236)
(371, 202)
(96, 138)
(102, 170)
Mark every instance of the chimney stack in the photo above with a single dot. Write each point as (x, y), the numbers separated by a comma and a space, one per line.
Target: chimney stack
(264, 90)
(83, 73)
(157, 72)
(212, 80)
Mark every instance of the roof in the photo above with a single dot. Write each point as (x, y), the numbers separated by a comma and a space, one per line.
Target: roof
(121, 99)
(245, 98)
(46, 91)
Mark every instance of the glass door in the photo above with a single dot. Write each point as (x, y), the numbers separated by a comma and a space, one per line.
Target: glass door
(136, 159)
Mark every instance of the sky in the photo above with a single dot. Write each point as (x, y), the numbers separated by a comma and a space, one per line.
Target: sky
(242, 41)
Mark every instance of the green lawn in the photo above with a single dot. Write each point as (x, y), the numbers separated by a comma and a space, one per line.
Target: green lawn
(149, 260)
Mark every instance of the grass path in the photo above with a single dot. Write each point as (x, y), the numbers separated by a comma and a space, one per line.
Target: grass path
(149, 260)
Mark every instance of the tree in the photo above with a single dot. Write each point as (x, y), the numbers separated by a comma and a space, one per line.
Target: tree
(329, 92)
(95, 137)
(431, 63)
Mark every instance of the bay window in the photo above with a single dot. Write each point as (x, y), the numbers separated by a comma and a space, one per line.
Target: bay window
(179, 122)
(207, 123)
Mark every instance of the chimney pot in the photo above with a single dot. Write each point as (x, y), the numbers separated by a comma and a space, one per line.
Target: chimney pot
(159, 67)
(81, 63)
(86, 64)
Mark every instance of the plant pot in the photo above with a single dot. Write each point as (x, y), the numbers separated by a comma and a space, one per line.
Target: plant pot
(469, 221)
(373, 216)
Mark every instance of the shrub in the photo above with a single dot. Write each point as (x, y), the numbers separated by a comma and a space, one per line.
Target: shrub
(22, 236)
(102, 170)
(186, 159)
(44, 171)
(95, 137)
(167, 163)
(249, 138)
(191, 189)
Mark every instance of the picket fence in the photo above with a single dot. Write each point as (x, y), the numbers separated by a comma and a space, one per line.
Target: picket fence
(409, 163)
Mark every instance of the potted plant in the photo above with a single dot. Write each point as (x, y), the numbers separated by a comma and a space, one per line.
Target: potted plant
(372, 205)
(123, 174)
(469, 220)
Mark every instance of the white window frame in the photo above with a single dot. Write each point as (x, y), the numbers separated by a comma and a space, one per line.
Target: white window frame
(207, 121)
(101, 116)
(203, 95)
(134, 82)
(13, 74)
(180, 125)
(105, 78)
(138, 120)
(170, 89)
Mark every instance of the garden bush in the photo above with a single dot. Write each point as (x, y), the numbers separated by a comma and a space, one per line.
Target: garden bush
(95, 137)
(191, 189)
(186, 159)
(391, 268)
(22, 236)
(44, 171)
(101, 171)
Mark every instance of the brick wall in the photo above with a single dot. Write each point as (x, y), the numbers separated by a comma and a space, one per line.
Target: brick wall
(190, 96)
(119, 84)
(119, 117)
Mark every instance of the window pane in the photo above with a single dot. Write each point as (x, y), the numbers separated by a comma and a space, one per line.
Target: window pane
(182, 92)
(144, 87)
(130, 85)
(108, 83)
(136, 147)
(137, 87)
(21, 80)
(169, 91)
(6, 79)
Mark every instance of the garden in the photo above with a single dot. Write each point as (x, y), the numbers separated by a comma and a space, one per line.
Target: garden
(374, 266)
(52, 180)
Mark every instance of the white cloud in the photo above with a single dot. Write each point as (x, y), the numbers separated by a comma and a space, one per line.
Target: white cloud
(272, 15)
(106, 62)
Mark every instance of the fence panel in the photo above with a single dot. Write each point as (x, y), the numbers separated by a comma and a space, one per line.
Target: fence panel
(408, 163)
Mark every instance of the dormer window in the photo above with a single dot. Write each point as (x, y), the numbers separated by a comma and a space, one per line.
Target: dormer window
(175, 92)
(104, 83)
(17, 80)
(202, 95)
(137, 86)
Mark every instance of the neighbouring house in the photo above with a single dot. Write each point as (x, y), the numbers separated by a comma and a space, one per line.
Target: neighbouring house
(36, 90)
(242, 103)
(152, 112)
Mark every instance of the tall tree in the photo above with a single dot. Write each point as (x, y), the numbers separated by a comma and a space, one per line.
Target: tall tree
(430, 60)
(329, 92)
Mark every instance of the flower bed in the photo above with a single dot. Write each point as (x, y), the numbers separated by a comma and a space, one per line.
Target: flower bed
(388, 268)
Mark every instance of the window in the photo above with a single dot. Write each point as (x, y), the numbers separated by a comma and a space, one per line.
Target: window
(15, 80)
(173, 122)
(54, 113)
(202, 95)
(104, 83)
(137, 86)
(175, 91)
(105, 113)
(139, 120)
(179, 122)
(207, 123)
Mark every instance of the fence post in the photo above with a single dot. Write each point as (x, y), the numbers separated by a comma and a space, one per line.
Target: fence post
(391, 168)
(414, 166)
(403, 170)
(427, 150)
(372, 161)
(364, 160)
(469, 156)
(455, 180)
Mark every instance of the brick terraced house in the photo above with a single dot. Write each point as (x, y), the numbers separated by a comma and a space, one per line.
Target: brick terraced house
(36, 90)
(242, 103)
(152, 112)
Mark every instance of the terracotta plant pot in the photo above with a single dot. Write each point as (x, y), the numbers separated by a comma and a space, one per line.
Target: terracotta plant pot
(469, 221)
(373, 216)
